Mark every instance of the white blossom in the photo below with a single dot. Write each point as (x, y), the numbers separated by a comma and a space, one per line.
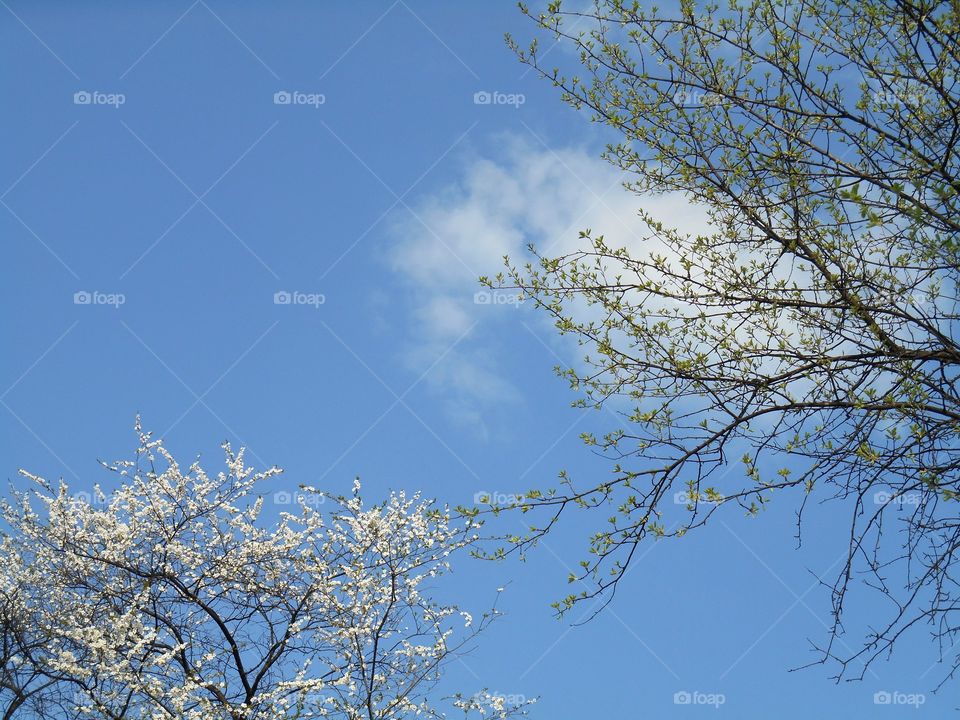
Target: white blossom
(170, 598)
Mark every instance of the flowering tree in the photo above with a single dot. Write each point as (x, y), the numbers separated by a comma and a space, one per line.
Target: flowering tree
(172, 599)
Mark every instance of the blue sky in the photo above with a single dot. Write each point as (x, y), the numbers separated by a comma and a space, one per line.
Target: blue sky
(182, 185)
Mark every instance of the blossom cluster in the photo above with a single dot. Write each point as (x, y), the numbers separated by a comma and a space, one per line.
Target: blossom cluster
(174, 598)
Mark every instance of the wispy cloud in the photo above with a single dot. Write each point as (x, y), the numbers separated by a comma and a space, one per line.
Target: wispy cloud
(498, 204)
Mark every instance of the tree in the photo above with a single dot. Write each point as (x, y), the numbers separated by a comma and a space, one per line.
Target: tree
(27, 689)
(808, 333)
(171, 598)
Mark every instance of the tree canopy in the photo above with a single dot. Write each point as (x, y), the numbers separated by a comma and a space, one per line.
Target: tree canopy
(808, 332)
(174, 598)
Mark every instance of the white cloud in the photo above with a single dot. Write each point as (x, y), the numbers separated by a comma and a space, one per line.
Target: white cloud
(444, 316)
(524, 194)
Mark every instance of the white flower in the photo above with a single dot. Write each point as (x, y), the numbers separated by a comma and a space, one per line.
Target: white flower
(126, 591)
